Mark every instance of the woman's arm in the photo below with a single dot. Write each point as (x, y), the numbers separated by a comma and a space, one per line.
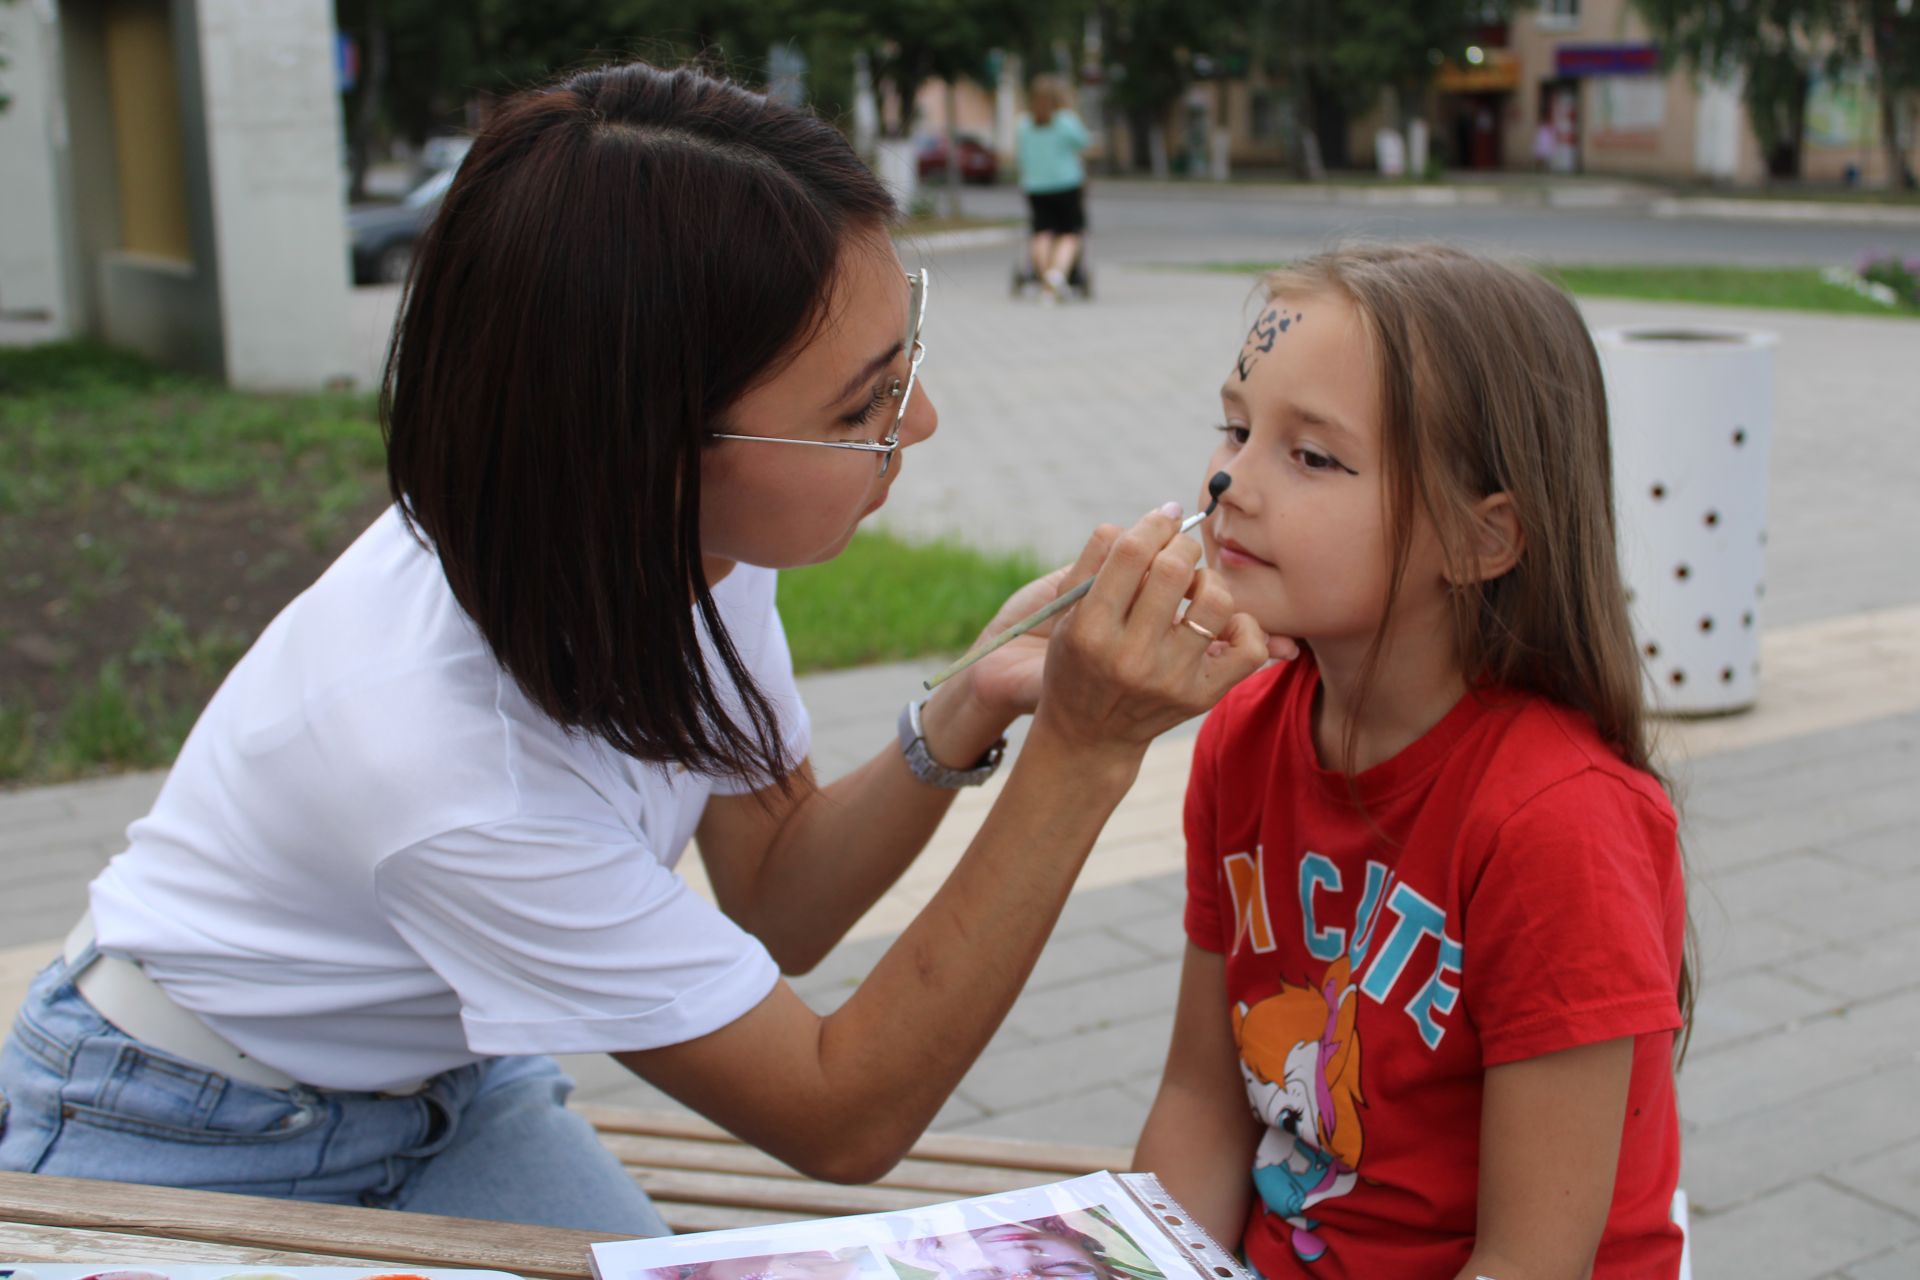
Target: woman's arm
(1549, 1147)
(1200, 1136)
(797, 869)
(843, 1096)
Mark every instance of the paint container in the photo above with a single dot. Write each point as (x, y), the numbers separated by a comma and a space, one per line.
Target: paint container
(1691, 411)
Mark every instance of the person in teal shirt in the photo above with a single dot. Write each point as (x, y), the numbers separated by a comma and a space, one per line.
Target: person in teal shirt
(1051, 138)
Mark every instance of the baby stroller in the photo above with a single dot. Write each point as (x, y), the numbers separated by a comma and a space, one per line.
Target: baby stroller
(1027, 281)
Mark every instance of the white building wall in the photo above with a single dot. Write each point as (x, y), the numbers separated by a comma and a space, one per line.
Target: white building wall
(274, 146)
(33, 287)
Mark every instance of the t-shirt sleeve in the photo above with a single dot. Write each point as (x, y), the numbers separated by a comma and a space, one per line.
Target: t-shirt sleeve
(1574, 927)
(761, 641)
(564, 936)
(1204, 925)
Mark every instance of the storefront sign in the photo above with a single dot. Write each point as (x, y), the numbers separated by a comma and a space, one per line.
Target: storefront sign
(1606, 60)
(1497, 72)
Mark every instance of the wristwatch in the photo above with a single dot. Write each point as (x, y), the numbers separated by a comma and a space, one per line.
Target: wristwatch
(920, 761)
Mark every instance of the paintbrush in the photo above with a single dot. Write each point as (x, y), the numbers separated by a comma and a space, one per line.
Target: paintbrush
(1215, 487)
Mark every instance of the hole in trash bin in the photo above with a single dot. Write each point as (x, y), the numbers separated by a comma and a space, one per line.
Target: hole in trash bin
(1712, 518)
(1678, 676)
(1652, 650)
(1681, 572)
(1739, 436)
(1763, 537)
(1630, 596)
(1172, 1221)
(1706, 624)
(1222, 1271)
(1726, 675)
(1746, 619)
(1659, 492)
(1759, 589)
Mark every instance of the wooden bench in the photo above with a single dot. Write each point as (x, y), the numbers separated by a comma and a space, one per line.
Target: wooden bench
(700, 1177)
(703, 1179)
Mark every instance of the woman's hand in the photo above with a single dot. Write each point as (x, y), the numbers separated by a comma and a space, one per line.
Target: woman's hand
(1123, 665)
(1007, 681)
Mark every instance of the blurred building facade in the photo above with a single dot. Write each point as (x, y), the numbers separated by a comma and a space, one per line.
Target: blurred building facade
(1588, 70)
(171, 179)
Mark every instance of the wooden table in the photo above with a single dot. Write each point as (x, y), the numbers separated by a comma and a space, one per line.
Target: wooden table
(46, 1219)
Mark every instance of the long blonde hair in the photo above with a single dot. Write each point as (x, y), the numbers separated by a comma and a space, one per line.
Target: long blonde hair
(1490, 384)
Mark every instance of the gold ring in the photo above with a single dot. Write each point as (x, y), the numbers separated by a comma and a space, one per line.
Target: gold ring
(1197, 627)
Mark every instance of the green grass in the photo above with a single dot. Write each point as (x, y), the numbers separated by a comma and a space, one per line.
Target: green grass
(1780, 288)
(144, 540)
(81, 424)
(1783, 288)
(884, 599)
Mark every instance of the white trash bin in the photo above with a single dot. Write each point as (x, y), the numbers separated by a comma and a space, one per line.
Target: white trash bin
(1691, 413)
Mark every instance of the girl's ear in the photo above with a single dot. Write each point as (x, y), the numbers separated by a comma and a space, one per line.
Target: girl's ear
(1497, 541)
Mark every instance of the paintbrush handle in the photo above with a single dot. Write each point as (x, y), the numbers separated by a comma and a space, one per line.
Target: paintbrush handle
(1066, 600)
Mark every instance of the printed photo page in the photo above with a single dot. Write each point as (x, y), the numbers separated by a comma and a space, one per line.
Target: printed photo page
(1095, 1227)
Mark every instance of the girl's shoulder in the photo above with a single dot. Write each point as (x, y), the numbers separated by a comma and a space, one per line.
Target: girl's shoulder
(1548, 760)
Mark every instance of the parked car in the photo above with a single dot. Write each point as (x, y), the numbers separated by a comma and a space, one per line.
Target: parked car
(383, 235)
(978, 164)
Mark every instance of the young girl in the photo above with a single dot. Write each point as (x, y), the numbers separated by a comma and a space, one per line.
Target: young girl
(1435, 913)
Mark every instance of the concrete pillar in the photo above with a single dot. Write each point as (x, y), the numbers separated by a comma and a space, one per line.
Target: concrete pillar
(273, 138)
(35, 293)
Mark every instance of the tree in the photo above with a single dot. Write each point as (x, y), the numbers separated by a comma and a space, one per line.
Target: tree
(425, 61)
(1887, 33)
(1770, 45)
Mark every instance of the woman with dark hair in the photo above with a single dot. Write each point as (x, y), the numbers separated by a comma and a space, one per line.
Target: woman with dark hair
(657, 345)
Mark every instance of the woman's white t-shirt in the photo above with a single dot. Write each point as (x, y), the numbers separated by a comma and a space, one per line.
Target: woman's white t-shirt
(375, 860)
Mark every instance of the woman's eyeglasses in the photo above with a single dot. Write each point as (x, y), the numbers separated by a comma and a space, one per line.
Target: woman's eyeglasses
(900, 390)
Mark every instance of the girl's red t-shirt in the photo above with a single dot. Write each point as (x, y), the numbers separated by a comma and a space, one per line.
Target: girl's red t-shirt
(1503, 888)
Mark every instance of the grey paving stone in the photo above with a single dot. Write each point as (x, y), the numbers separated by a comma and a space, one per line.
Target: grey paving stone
(42, 912)
(1765, 1075)
(1902, 1263)
(1785, 885)
(1102, 1000)
(1753, 1004)
(1107, 1115)
(1727, 1164)
(1070, 957)
(1800, 1232)
(1893, 852)
(1860, 914)
(1730, 947)
(1122, 904)
(1889, 962)
(1163, 934)
(39, 807)
(1891, 1178)
(1055, 1069)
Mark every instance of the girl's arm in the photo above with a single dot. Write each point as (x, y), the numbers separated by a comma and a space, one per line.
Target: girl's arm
(1200, 1136)
(1549, 1146)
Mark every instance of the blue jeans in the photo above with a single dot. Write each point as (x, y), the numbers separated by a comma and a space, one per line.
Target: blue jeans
(492, 1140)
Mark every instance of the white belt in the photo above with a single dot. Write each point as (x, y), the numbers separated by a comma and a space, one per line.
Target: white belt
(121, 992)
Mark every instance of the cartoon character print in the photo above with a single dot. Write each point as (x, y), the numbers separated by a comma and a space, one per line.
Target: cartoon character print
(1300, 1055)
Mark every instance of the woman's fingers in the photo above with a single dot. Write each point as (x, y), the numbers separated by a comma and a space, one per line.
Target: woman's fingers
(1242, 649)
(1128, 561)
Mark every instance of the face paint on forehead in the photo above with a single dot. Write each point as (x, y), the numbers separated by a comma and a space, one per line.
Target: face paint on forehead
(1260, 339)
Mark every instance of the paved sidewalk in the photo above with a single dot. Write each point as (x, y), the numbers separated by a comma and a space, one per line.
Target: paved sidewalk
(1802, 1130)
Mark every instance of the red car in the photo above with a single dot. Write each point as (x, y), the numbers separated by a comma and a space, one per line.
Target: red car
(977, 161)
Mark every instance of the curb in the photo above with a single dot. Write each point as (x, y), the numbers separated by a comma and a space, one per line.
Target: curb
(1786, 211)
(973, 238)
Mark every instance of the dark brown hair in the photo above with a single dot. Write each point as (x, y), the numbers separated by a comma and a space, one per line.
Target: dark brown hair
(620, 257)
(1490, 384)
